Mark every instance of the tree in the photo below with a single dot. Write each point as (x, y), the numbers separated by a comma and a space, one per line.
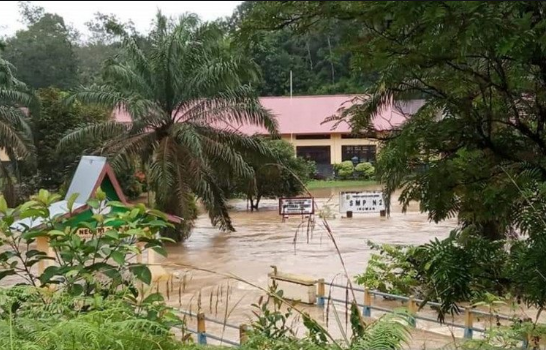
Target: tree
(43, 53)
(182, 95)
(284, 177)
(15, 134)
(315, 58)
(53, 122)
(479, 67)
(102, 44)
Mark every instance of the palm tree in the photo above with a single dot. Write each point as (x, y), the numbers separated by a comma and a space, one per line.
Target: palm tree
(15, 134)
(185, 92)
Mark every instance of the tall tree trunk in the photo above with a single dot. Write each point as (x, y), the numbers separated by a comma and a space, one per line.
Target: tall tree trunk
(257, 201)
(309, 54)
(251, 200)
(331, 63)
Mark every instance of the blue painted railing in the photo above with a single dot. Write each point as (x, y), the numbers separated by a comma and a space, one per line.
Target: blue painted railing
(413, 303)
(201, 333)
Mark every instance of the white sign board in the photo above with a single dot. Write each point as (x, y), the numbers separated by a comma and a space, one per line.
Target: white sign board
(296, 206)
(361, 202)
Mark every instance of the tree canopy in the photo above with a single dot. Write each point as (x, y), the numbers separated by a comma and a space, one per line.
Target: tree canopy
(284, 175)
(43, 53)
(316, 58)
(50, 125)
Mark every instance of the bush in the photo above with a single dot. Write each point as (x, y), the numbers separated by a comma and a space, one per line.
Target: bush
(78, 263)
(129, 181)
(365, 171)
(344, 170)
(34, 319)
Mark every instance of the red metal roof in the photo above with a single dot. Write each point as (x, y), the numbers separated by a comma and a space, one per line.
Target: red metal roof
(305, 114)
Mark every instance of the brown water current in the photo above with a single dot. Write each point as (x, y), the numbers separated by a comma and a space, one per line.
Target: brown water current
(263, 240)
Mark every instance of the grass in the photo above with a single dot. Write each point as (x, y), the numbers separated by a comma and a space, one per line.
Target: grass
(315, 184)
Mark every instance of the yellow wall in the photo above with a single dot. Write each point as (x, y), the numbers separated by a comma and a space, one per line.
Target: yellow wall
(335, 142)
(3, 156)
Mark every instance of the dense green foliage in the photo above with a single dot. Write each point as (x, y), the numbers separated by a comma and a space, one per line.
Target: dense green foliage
(344, 170)
(315, 58)
(43, 52)
(50, 125)
(482, 267)
(87, 298)
(365, 170)
(32, 319)
(284, 175)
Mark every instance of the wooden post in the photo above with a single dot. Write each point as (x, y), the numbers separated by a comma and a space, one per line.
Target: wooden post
(42, 244)
(366, 309)
(321, 292)
(412, 309)
(243, 336)
(201, 329)
(274, 270)
(151, 257)
(139, 256)
(468, 323)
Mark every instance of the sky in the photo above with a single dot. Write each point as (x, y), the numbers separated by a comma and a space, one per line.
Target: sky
(77, 13)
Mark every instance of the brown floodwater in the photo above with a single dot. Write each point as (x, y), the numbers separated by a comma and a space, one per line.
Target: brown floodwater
(263, 240)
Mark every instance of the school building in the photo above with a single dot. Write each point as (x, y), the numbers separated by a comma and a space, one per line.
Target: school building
(300, 120)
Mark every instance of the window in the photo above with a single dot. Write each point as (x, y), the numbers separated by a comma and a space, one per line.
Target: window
(365, 153)
(313, 137)
(318, 154)
(358, 136)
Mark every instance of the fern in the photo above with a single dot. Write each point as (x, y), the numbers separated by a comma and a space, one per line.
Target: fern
(116, 325)
(390, 332)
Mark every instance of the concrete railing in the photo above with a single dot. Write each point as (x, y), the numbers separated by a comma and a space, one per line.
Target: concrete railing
(303, 289)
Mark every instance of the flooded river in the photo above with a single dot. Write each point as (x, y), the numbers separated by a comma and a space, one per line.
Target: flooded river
(263, 240)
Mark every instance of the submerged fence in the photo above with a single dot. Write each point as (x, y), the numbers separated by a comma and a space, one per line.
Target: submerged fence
(412, 303)
(367, 305)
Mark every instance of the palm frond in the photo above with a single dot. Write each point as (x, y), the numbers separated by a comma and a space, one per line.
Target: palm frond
(101, 131)
(15, 97)
(16, 140)
(16, 117)
(126, 77)
(232, 108)
(215, 201)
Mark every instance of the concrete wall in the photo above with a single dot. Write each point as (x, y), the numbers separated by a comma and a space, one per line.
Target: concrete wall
(335, 142)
